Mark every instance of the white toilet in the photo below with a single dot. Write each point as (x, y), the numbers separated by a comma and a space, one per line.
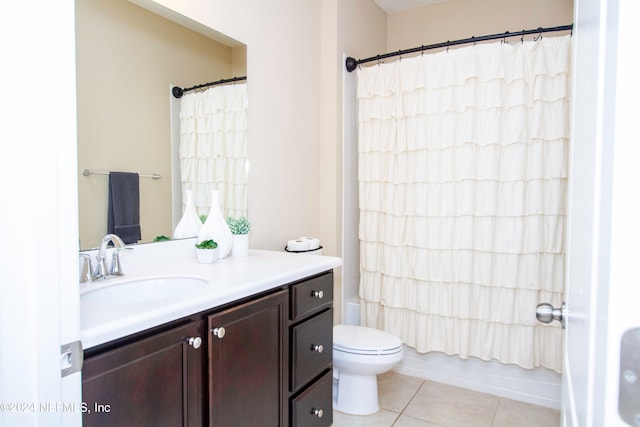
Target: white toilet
(359, 355)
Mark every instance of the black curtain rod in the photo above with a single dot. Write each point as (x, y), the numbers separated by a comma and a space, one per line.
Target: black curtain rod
(352, 63)
(178, 91)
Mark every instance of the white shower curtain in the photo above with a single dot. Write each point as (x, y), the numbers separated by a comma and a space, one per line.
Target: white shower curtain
(463, 165)
(213, 148)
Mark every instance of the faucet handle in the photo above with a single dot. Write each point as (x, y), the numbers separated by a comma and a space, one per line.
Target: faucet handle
(116, 268)
(101, 270)
(86, 274)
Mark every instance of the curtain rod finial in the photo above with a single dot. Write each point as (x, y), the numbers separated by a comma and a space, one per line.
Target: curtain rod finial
(177, 92)
(351, 64)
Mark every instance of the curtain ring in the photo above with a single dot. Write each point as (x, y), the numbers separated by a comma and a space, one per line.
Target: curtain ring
(448, 44)
(539, 36)
(522, 38)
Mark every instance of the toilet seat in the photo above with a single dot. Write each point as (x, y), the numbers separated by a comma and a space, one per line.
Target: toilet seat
(365, 341)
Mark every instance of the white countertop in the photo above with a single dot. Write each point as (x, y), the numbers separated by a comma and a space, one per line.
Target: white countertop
(229, 279)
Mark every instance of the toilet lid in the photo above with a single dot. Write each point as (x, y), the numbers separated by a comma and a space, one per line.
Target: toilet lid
(364, 340)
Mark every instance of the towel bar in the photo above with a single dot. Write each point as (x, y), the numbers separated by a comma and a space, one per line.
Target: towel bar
(88, 172)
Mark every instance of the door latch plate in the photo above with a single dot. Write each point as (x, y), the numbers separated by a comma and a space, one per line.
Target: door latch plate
(629, 380)
(71, 358)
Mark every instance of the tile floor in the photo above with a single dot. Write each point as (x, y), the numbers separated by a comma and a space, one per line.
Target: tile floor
(414, 402)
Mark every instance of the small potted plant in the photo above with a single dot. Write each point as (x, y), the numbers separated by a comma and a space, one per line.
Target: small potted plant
(240, 235)
(207, 252)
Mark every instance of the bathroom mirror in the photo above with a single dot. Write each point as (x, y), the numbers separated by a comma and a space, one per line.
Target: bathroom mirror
(127, 60)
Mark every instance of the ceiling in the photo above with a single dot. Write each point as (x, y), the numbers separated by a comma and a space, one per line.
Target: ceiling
(393, 6)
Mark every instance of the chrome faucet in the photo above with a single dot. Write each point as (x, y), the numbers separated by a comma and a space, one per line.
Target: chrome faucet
(102, 272)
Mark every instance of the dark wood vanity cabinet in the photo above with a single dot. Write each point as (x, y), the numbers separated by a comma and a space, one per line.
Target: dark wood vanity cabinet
(263, 361)
(248, 363)
(156, 381)
(311, 352)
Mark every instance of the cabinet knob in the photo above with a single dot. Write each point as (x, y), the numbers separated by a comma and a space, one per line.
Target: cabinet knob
(195, 342)
(317, 412)
(317, 294)
(219, 332)
(317, 347)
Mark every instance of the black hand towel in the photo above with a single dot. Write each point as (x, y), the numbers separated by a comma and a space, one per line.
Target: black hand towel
(124, 206)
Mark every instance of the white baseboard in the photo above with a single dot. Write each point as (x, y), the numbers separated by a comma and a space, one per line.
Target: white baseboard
(539, 386)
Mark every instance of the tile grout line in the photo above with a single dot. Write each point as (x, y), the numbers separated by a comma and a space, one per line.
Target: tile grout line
(394, 418)
(404, 408)
(495, 413)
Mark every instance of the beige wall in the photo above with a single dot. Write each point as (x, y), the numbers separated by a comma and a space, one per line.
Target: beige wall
(127, 57)
(337, 39)
(283, 64)
(460, 19)
(294, 60)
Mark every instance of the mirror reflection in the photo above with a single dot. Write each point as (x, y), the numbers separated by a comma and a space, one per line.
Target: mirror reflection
(128, 59)
(212, 149)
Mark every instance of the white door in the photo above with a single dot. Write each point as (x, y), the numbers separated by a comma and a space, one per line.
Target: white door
(602, 288)
(39, 297)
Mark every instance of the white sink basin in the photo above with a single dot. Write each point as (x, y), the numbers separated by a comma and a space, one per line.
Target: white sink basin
(150, 289)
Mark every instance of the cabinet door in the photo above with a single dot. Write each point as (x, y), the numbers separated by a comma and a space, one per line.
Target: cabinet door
(248, 363)
(157, 381)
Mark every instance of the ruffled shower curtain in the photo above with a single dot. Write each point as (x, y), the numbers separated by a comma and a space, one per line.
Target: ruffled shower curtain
(213, 148)
(463, 165)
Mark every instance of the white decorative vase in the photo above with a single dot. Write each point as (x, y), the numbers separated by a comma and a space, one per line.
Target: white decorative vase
(190, 224)
(240, 246)
(207, 256)
(216, 228)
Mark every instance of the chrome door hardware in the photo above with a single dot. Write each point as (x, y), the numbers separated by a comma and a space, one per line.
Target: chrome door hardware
(317, 348)
(317, 294)
(545, 313)
(71, 358)
(629, 378)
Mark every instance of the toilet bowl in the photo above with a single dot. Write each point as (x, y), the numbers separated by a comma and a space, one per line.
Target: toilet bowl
(359, 355)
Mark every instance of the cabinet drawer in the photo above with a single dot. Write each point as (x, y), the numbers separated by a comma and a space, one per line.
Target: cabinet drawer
(314, 406)
(312, 348)
(311, 295)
